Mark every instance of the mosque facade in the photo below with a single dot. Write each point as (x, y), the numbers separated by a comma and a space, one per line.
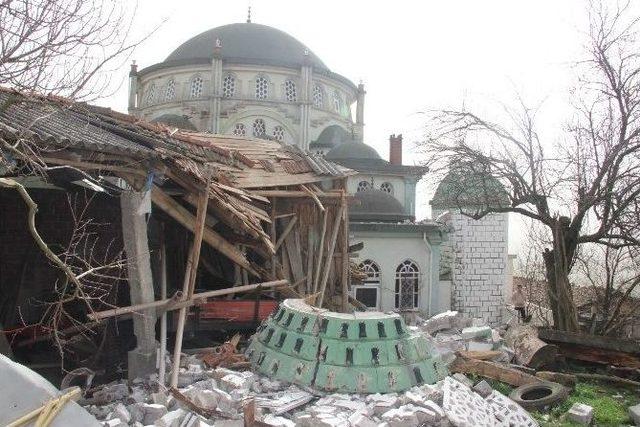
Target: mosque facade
(255, 81)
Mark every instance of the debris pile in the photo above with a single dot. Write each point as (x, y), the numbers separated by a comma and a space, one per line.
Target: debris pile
(453, 332)
(221, 396)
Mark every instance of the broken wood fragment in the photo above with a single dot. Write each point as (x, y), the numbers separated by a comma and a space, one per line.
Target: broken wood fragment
(184, 217)
(166, 304)
(492, 370)
(529, 349)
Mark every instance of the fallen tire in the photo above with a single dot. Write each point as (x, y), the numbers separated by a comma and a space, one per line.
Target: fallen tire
(539, 395)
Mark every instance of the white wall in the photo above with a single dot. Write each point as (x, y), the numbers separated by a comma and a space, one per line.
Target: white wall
(388, 250)
(479, 270)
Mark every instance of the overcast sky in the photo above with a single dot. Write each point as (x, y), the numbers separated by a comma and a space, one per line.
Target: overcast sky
(411, 55)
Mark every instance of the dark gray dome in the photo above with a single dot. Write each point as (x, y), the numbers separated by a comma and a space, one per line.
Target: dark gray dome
(175, 120)
(377, 205)
(353, 150)
(331, 136)
(246, 43)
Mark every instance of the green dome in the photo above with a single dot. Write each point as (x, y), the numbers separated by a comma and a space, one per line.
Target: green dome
(352, 150)
(464, 187)
(362, 352)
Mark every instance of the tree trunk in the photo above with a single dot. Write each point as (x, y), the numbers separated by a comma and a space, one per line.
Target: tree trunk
(557, 264)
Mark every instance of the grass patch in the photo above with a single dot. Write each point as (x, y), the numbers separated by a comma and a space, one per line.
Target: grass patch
(610, 405)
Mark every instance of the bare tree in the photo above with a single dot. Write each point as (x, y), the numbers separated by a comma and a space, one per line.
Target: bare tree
(64, 47)
(582, 190)
(613, 276)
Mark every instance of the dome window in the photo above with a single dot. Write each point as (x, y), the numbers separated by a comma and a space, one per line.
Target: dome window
(151, 94)
(363, 186)
(228, 86)
(278, 133)
(407, 285)
(259, 128)
(196, 87)
(387, 187)
(262, 88)
(337, 102)
(170, 91)
(290, 91)
(318, 96)
(239, 130)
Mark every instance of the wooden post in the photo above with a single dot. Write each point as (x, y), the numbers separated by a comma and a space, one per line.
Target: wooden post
(163, 319)
(190, 279)
(323, 231)
(331, 249)
(345, 256)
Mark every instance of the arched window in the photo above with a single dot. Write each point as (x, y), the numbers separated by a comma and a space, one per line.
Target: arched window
(239, 130)
(386, 187)
(228, 86)
(262, 88)
(196, 87)
(290, 91)
(372, 270)
(151, 94)
(318, 96)
(407, 285)
(337, 102)
(278, 133)
(170, 90)
(363, 186)
(368, 292)
(259, 128)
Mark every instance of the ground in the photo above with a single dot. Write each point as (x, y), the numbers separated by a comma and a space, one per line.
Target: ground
(610, 403)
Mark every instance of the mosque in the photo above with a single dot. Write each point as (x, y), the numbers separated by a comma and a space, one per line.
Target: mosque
(255, 81)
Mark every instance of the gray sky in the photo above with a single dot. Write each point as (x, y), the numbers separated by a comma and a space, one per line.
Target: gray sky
(411, 55)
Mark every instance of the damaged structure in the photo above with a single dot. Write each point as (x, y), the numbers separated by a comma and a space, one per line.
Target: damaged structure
(261, 212)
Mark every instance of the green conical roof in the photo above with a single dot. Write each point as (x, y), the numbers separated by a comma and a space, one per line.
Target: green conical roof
(466, 186)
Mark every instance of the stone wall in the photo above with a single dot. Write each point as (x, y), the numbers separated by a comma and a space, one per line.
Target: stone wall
(478, 253)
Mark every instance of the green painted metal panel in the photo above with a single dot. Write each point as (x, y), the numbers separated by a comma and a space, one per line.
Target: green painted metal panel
(361, 352)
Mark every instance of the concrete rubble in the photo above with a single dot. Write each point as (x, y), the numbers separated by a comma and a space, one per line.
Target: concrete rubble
(221, 394)
(224, 393)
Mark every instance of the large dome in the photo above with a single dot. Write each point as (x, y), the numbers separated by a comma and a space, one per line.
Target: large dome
(353, 150)
(245, 43)
(377, 205)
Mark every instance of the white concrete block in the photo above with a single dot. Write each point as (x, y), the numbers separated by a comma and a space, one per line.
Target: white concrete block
(580, 413)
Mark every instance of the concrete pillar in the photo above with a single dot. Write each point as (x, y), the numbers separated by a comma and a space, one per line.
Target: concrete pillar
(134, 207)
(434, 292)
(306, 98)
(133, 87)
(360, 112)
(410, 195)
(216, 87)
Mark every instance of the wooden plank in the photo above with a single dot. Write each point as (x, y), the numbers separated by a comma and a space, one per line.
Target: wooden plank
(626, 345)
(310, 249)
(492, 370)
(294, 256)
(332, 246)
(213, 239)
(323, 232)
(295, 194)
(345, 258)
(172, 304)
(285, 232)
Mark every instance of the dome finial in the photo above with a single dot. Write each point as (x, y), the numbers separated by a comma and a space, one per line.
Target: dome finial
(249, 15)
